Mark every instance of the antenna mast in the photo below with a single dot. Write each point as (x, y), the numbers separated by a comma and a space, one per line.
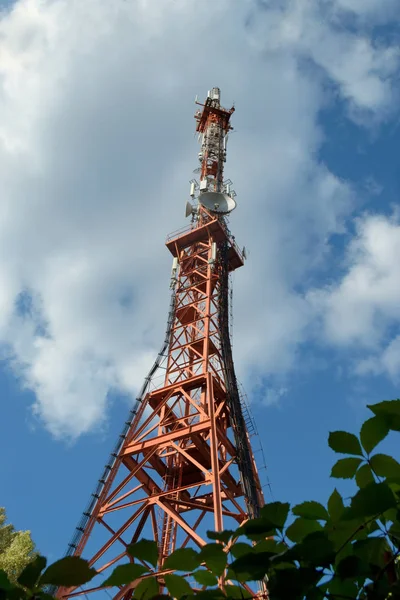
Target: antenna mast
(183, 463)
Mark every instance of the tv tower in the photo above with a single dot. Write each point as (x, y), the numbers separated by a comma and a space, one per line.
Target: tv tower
(183, 463)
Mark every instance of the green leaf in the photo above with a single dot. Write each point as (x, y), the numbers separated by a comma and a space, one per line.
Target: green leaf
(177, 586)
(343, 530)
(222, 536)
(343, 551)
(146, 589)
(350, 567)
(346, 468)
(339, 588)
(394, 485)
(373, 431)
(209, 594)
(389, 410)
(270, 545)
(204, 577)
(311, 510)
(236, 591)
(69, 571)
(393, 531)
(379, 590)
(385, 466)
(373, 499)
(15, 593)
(292, 583)
(258, 528)
(316, 548)
(364, 476)
(214, 557)
(32, 571)
(124, 574)
(5, 583)
(144, 550)
(318, 593)
(276, 513)
(300, 528)
(371, 550)
(335, 505)
(250, 567)
(183, 559)
(373, 526)
(344, 443)
(240, 548)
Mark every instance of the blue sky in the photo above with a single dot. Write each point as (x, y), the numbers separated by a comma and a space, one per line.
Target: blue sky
(96, 148)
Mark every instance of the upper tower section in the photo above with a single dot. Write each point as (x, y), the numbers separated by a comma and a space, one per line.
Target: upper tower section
(213, 125)
(212, 195)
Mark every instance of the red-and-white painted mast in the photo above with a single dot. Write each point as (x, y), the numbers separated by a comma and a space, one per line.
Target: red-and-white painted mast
(183, 463)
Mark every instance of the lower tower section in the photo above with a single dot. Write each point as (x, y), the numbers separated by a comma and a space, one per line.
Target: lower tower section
(185, 463)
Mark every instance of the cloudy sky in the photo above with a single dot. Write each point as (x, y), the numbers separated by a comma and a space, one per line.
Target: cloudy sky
(97, 147)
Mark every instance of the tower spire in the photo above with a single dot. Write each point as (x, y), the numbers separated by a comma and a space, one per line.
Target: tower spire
(213, 125)
(183, 463)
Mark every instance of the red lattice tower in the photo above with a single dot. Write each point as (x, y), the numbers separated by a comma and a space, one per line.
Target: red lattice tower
(183, 463)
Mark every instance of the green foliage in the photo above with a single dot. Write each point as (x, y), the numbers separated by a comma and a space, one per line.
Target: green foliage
(298, 530)
(373, 499)
(275, 513)
(214, 557)
(204, 577)
(346, 550)
(385, 466)
(346, 468)
(124, 574)
(344, 443)
(311, 510)
(364, 476)
(146, 550)
(222, 536)
(389, 410)
(373, 431)
(177, 586)
(70, 570)
(32, 571)
(183, 559)
(335, 506)
(146, 589)
(17, 549)
(5, 583)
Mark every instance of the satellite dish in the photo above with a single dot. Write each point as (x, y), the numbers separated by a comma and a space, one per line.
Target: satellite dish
(189, 209)
(217, 202)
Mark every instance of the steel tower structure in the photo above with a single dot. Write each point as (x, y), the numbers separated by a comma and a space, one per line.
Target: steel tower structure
(183, 462)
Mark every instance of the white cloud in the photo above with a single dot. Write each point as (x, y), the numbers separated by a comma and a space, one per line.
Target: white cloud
(95, 149)
(358, 66)
(273, 396)
(384, 362)
(384, 10)
(362, 309)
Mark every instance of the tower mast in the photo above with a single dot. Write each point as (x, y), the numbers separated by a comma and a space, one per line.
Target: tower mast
(183, 462)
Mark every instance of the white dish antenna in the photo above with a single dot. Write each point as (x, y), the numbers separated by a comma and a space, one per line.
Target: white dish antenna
(189, 210)
(217, 202)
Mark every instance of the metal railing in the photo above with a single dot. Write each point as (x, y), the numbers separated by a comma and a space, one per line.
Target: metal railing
(231, 238)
